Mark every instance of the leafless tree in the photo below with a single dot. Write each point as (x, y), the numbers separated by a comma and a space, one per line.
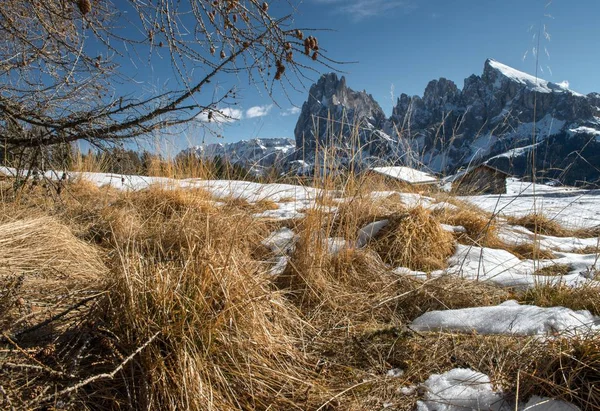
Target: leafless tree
(63, 63)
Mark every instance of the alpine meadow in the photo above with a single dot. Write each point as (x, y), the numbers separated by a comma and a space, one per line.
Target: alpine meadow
(199, 211)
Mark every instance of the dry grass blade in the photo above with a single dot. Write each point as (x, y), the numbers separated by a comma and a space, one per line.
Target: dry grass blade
(44, 247)
(569, 369)
(576, 298)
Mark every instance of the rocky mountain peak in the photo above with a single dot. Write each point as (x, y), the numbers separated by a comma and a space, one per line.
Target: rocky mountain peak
(493, 113)
(441, 92)
(333, 113)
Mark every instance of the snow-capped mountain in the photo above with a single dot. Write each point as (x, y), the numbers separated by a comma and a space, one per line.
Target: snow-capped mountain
(493, 113)
(258, 152)
(500, 116)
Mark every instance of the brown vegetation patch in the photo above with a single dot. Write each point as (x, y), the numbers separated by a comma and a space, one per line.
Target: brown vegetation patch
(359, 211)
(575, 298)
(414, 239)
(417, 296)
(182, 315)
(255, 207)
(588, 250)
(349, 283)
(480, 229)
(541, 224)
(44, 247)
(529, 251)
(567, 369)
(553, 270)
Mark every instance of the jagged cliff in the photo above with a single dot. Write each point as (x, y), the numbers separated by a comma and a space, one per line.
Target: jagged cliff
(502, 110)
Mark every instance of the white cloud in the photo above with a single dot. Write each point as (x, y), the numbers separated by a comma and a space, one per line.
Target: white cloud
(258, 111)
(223, 115)
(290, 111)
(361, 9)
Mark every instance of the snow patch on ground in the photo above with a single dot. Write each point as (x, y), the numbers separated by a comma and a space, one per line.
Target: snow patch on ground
(281, 242)
(463, 389)
(517, 235)
(459, 390)
(505, 269)
(509, 318)
(571, 207)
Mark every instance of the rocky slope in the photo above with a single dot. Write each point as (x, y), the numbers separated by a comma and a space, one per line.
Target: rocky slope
(494, 114)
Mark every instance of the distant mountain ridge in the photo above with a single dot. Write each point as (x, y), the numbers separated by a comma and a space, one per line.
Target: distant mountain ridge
(255, 153)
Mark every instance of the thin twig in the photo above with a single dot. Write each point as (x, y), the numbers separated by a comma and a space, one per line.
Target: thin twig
(57, 316)
(97, 377)
(37, 367)
(29, 356)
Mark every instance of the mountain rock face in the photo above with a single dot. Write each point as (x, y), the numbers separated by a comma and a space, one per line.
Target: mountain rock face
(502, 111)
(337, 117)
(493, 113)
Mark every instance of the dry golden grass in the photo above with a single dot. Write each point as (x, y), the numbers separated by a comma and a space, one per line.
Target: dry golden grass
(414, 239)
(360, 210)
(569, 369)
(531, 251)
(553, 270)
(541, 224)
(576, 298)
(183, 314)
(480, 229)
(230, 339)
(321, 281)
(46, 248)
(519, 366)
(416, 296)
(184, 301)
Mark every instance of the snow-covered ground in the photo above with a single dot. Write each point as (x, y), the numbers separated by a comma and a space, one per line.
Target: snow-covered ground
(509, 318)
(505, 269)
(291, 199)
(571, 207)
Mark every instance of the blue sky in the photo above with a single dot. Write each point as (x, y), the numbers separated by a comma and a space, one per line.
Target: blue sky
(400, 45)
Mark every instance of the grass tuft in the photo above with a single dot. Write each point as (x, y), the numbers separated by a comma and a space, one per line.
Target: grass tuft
(414, 239)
